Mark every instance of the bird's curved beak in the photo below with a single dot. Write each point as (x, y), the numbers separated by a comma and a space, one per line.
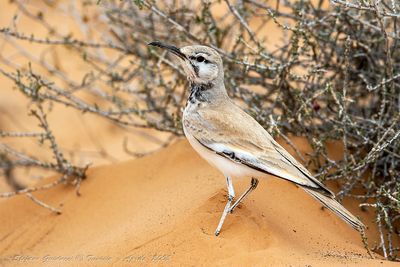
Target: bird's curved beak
(173, 49)
(188, 67)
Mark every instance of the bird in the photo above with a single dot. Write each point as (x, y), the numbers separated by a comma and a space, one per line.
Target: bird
(233, 141)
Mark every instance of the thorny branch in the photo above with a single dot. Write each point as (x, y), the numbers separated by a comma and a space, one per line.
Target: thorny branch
(70, 174)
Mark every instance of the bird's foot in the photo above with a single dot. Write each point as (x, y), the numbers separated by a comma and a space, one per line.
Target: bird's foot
(223, 216)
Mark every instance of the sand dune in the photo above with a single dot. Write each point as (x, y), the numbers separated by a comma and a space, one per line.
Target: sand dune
(163, 209)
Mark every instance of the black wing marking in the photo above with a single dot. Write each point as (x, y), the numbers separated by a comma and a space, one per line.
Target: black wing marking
(231, 155)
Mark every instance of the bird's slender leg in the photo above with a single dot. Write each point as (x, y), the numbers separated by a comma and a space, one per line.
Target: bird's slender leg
(231, 196)
(253, 185)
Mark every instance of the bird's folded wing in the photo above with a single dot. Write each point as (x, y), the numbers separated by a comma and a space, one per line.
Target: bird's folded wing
(249, 144)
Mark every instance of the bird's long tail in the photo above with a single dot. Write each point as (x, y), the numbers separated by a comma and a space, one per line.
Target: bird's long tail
(337, 208)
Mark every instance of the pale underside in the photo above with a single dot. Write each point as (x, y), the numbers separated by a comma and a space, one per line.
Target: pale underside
(233, 142)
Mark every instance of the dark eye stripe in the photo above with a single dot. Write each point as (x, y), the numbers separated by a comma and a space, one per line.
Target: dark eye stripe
(199, 59)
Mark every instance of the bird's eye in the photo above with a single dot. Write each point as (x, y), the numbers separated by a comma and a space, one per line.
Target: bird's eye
(200, 59)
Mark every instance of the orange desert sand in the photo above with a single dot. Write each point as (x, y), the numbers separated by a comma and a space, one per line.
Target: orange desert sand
(163, 209)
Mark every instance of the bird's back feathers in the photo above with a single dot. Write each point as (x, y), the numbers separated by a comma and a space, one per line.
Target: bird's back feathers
(231, 133)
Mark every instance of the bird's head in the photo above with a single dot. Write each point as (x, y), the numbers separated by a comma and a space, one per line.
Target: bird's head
(202, 64)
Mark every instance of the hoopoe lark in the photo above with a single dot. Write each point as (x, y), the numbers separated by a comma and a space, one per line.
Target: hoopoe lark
(231, 140)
